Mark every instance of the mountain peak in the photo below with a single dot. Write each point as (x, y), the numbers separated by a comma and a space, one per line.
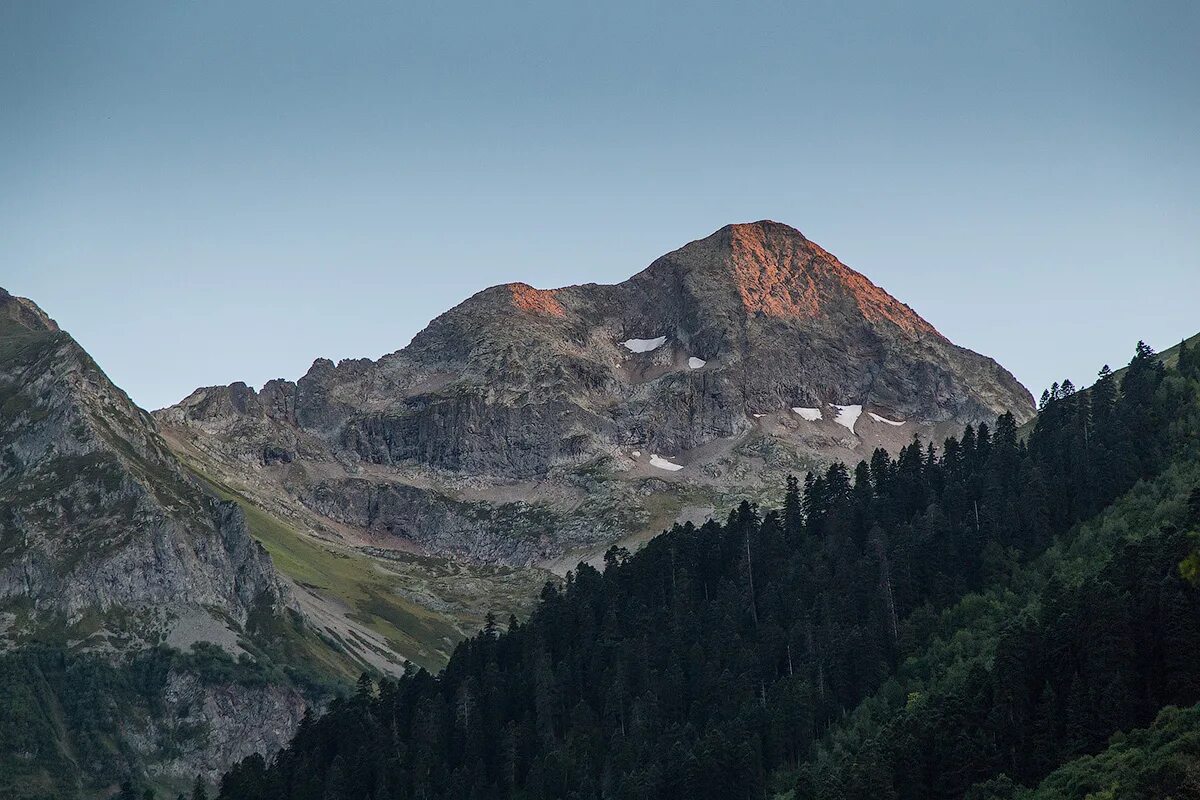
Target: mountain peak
(777, 272)
(763, 228)
(24, 313)
(724, 363)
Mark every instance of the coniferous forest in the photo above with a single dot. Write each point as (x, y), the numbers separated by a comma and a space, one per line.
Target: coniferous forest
(973, 619)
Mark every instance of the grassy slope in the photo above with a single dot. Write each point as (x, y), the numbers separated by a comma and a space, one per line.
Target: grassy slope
(360, 583)
(373, 602)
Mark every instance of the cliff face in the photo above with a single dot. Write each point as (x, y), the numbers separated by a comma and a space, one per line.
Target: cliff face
(526, 425)
(207, 727)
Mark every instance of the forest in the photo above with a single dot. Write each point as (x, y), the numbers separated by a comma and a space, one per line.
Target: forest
(1007, 614)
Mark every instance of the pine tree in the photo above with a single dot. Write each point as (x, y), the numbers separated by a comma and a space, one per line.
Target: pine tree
(1189, 361)
(793, 512)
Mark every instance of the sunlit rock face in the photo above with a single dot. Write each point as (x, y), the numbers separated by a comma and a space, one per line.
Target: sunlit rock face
(525, 424)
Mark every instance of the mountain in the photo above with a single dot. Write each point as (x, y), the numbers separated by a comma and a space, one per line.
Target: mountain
(128, 593)
(530, 426)
(989, 619)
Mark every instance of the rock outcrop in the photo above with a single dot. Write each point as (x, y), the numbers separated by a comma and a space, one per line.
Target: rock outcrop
(211, 726)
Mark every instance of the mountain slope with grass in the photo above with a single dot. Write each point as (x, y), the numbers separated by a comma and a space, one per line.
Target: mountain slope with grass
(955, 621)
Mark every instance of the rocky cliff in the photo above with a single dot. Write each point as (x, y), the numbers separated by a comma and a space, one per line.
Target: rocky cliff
(534, 426)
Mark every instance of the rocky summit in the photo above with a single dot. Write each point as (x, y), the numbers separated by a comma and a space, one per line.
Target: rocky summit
(539, 426)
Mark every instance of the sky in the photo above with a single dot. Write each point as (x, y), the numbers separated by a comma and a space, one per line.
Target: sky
(219, 191)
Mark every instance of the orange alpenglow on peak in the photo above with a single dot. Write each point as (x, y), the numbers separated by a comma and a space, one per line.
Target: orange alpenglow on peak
(780, 273)
(538, 301)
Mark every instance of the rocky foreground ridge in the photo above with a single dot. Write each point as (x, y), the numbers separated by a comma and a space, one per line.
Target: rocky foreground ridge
(536, 426)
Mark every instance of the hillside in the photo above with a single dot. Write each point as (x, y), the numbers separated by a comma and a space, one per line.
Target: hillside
(79, 462)
(143, 630)
(1170, 356)
(1187, 349)
(952, 622)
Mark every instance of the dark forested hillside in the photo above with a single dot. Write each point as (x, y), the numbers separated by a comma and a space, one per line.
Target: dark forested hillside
(957, 621)
(1161, 761)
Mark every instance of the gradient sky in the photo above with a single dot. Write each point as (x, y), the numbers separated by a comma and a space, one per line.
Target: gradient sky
(204, 192)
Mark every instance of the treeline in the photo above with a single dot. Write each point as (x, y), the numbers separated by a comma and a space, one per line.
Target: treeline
(724, 661)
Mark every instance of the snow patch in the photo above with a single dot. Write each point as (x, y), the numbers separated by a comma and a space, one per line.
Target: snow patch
(759, 416)
(644, 345)
(660, 462)
(637, 453)
(847, 415)
(810, 414)
(884, 420)
(696, 363)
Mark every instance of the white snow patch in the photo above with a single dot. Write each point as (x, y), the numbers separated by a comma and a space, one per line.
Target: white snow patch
(696, 363)
(759, 416)
(810, 414)
(644, 345)
(660, 462)
(637, 453)
(884, 420)
(847, 415)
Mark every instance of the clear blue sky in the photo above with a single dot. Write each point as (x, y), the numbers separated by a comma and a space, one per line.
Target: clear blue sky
(204, 192)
